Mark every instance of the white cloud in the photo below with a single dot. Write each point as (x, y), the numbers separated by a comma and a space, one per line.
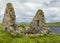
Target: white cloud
(26, 9)
(0, 2)
(52, 14)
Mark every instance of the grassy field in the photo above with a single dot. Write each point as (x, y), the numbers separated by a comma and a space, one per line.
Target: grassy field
(5, 37)
(53, 24)
(49, 24)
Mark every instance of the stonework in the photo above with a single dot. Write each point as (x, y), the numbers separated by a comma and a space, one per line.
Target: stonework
(38, 24)
(38, 20)
(9, 20)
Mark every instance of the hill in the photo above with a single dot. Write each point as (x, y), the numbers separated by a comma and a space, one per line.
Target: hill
(53, 24)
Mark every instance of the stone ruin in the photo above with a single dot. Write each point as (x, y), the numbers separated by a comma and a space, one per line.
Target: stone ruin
(9, 20)
(37, 25)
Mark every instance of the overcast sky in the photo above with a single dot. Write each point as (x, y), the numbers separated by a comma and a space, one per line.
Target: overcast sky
(25, 10)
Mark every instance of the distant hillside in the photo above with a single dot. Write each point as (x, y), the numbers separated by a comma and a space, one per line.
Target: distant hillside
(48, 24)
(53, 24)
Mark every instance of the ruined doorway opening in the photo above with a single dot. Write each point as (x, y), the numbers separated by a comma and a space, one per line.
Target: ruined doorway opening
(6, 28)
(37, 22)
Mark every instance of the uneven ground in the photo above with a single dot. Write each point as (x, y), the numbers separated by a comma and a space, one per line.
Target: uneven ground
(5, 37)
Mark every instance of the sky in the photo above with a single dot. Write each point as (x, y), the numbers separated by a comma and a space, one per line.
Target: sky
(25, 10)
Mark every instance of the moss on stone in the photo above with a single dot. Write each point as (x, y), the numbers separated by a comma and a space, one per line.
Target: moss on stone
(9, 5)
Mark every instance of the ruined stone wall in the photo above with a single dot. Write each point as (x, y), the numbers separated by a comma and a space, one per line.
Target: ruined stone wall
(9, 16)
(38, 24)
(9, 20)
(39, 17)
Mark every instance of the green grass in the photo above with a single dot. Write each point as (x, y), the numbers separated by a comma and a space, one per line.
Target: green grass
(53, 24)
(6, 37)
(48, 24)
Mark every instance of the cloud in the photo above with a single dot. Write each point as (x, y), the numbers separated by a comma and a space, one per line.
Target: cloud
(53, 3)
(25, 10)
(0, 2)
(52, 14)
